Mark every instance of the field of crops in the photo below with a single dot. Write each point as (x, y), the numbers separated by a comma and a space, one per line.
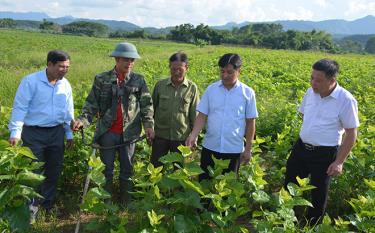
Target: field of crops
(169, 200)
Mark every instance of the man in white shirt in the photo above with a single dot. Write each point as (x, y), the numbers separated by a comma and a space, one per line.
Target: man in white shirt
(328, 112)
(229, 107)
(42, 112)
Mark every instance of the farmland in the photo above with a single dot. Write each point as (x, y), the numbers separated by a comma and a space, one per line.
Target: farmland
(255, 200)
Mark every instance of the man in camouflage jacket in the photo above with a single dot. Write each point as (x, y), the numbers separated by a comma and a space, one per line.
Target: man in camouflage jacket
(121, 101)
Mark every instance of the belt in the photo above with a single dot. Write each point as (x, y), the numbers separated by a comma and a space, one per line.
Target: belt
(310, 147)
(42, 127)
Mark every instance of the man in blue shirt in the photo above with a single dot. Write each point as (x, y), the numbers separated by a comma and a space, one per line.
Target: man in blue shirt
(229, 107)
(42, 113)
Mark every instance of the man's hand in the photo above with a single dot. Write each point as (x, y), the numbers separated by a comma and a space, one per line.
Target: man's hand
(335, 169)
(76, 125)
(245, 157)
(150, 135)
(191, 141)
(69, 144)
(13, 141)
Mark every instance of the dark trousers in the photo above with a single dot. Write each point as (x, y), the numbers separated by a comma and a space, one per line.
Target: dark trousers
(108, 156)
(47, 144)
(314, 162)
(206, 161)
(161, 147)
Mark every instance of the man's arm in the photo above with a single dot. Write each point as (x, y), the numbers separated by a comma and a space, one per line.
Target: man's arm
(90, 108)
(20, 108)
(193, 107)
(249, 135)
(349, 140)
(200, 121)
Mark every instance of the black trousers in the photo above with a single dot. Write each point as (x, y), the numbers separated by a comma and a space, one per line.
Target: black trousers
(47, 144)
(161, 147)
(108, 156)
(206, 161)
(305, 161)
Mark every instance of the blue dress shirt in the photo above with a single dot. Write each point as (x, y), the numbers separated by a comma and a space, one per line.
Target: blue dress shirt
(39, 103)
(227, 111)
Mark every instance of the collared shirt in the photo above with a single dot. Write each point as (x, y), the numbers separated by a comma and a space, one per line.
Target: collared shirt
(227, 111)
(39, 103)
(324, 119)
(175, 109)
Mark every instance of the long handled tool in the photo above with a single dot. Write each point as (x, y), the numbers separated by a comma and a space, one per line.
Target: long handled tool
(87, 181)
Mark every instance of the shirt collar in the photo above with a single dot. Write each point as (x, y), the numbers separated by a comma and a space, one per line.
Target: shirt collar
(44, 78)
(237, 84)
(185, 82)
(335, 92)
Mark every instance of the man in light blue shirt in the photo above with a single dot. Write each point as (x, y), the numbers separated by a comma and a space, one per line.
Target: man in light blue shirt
(229, 107)
(42, 113)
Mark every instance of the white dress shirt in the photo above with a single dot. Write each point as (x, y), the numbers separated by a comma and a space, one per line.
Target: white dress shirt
(324, 119)
(227, 111)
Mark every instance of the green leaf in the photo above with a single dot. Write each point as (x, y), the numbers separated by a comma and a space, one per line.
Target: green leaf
(154, 218)
(193, 169)
(26, 152)
(194, 186)
(260, 196)
(183, 223)
(370, 183)
(172, 158)
(18, 217)
(185, 150)
(303, 182)
(29, 178)
(4, 145)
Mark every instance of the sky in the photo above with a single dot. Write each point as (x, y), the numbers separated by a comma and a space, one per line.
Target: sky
(162, 13)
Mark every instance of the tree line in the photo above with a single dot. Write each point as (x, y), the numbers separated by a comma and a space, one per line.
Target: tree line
(259, 35)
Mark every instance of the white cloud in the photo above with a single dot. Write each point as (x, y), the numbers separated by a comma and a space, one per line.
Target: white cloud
(161, 13)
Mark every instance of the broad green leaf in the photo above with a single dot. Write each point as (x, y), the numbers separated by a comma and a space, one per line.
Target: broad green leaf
(260, 196)
(26, 152)
(182, 223)
(171, 158)
(185, 150)
(303, 182)
(18, 218)
(194, 185)
(370, 183)
(29, 178)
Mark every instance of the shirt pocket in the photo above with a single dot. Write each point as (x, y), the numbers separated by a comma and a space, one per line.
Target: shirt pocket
(133, 100)
(238, 107)
(185, 104)
(105, 96)
(164, 102)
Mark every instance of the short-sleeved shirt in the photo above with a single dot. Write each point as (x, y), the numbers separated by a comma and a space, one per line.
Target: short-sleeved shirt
(324, 119)
(175, 109)
(227, 111)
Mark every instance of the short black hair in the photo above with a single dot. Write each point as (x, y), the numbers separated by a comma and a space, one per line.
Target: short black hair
(329, 66)
(230, 58)
(55, 56)
(179, 56)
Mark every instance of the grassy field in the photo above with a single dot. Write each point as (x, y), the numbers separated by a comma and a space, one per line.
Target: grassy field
(279, 78)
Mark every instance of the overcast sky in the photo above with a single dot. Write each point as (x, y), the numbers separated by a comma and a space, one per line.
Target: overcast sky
(162, 13)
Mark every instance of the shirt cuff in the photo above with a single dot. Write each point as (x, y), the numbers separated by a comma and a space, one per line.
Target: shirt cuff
(15, 134)
(69, 135)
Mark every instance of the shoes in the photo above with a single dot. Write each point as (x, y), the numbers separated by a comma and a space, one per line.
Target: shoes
(33, 213)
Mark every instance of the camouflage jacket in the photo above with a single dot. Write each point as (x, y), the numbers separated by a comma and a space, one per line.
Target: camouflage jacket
(103, 99)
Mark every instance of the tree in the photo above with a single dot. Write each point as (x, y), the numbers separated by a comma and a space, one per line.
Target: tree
(7, 23)
(50, 26)
(370, 45)
(86, 28)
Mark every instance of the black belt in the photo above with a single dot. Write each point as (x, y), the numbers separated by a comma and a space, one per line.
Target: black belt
(310, 147)
(42, 127)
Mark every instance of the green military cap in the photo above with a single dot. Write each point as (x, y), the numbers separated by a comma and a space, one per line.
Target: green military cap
(126, 50)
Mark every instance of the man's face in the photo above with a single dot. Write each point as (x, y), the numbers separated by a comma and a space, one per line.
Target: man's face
(124, 64)
(229, 75)
(320, 83)
(178, 71)
(58, 70)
